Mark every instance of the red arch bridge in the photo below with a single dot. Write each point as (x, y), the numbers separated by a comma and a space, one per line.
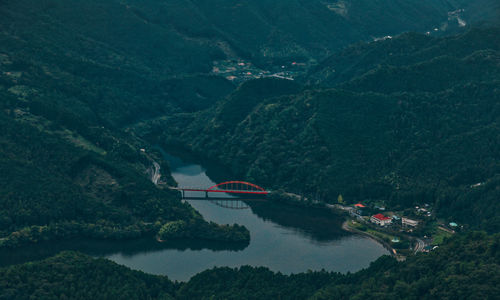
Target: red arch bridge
(230, 187)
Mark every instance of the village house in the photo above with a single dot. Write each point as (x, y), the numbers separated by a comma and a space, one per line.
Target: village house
(380, 219)
(358, 210)
(409, 222)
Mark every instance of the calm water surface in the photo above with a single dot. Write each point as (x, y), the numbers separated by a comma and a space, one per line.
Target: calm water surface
(283, 238)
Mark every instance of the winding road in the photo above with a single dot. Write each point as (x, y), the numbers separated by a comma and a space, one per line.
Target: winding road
(419, 247)
(155, 176)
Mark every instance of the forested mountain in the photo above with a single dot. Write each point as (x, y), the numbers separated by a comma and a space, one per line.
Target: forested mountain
(88, 87)
(73, 73)
(72, 275)
(69, 80)
(419, 125)
(410, 50)
(118, 62)
(276, 31)
(184, 36)
(100, 61)
(62, 177)
(466, 267)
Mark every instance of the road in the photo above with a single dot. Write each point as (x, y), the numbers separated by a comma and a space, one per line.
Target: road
(155, 177)
(420, 245)
(346, 227)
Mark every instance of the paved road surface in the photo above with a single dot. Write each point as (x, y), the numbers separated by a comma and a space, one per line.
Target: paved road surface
(419, 246)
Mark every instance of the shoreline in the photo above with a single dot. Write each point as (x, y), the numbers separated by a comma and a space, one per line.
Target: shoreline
(386, 245)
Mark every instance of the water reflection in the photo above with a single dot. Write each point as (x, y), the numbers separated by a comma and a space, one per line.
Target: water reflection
(283, 238)
(316, 224)
(94, 247)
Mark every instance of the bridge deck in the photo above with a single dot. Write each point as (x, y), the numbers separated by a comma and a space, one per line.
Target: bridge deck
(221, 191)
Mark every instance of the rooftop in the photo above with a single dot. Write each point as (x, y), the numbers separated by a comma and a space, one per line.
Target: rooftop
(381, 217)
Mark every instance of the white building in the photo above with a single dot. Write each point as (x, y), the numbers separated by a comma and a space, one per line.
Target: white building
(409, 222)
(380, 219)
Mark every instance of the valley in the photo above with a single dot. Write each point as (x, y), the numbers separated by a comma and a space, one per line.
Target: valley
(368, 120)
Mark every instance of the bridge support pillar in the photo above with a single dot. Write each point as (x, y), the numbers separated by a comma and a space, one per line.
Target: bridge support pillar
(183, 194)
(206, 194)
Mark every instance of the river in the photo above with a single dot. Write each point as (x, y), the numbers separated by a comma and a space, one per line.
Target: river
(284, 238)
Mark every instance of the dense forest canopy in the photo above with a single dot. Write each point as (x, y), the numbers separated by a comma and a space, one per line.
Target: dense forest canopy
(67, 168)
(417, 125)
(373, 113)
(68, 90)
(61, 181)
(466, 267)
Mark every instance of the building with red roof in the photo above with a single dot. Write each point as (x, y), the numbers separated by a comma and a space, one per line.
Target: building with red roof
(359, 205)
(380, 219)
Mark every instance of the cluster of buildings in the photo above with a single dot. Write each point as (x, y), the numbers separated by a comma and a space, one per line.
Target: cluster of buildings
(381, 219)
(240, 70)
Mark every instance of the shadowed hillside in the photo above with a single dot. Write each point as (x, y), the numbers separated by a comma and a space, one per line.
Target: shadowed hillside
(465, 267)
(422, 127)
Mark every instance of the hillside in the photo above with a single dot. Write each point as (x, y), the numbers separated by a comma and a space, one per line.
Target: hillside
(58, 184)
(89, 88)
(120, 62)
(410, 50)
(69, 79)
(76, 276)
(465, 267)
(105, 64)
(423, 129)
(63, 176)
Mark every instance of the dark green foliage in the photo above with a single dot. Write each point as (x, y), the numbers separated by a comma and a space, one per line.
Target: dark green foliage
(249, 95)
(199, 229)
(252, 283)
(102, 62)
(467, 266)
(72, 275)
(63, 177)
(196, 92)
(419, 128)
(408, 120)
(129, 42)
(410, 52)
(57, 184)
(73, 73)
(479, 66)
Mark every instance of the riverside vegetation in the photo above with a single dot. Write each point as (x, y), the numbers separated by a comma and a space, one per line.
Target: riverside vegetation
(68, 92)
(85, 85)
(465, 267)
(418, 125)
(62, 179)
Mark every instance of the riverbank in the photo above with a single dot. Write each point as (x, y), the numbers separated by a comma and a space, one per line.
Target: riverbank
(296, 200)
(275, 227)
(346, 227)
